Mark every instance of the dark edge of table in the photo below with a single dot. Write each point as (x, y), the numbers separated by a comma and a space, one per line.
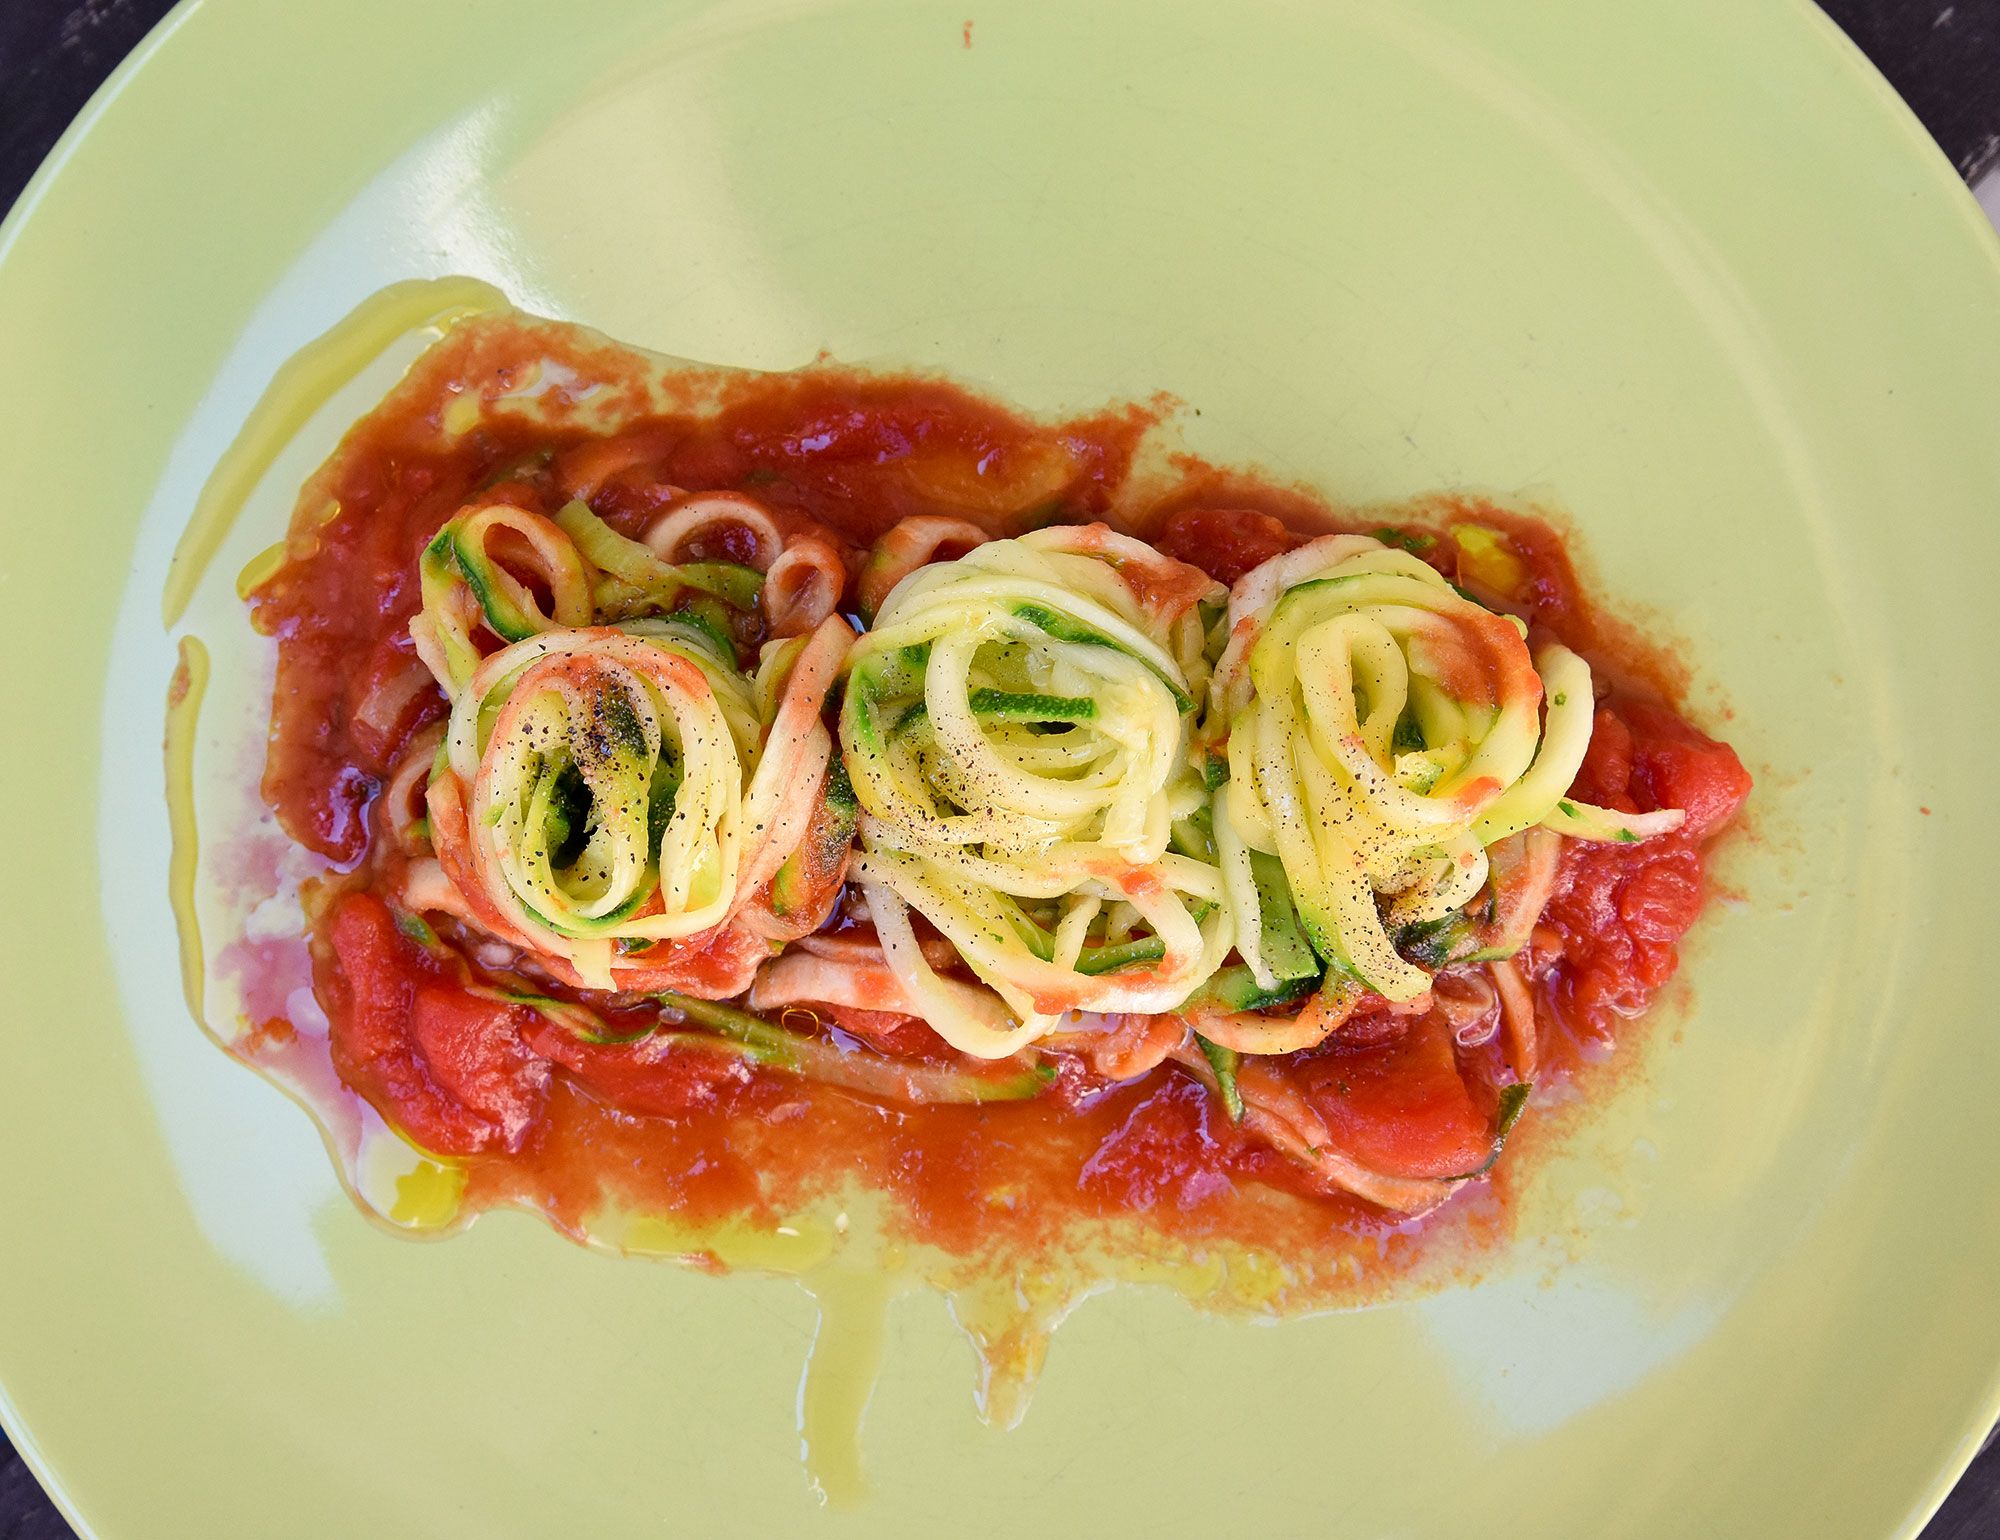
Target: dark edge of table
(1943, 58)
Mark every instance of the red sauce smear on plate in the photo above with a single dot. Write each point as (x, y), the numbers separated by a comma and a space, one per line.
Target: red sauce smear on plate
(544, 1119)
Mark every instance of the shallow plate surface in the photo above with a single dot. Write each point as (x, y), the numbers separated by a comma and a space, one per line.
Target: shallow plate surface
(1690, 269)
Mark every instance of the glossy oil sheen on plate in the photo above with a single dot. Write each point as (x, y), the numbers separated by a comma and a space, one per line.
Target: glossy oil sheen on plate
(1661, 267)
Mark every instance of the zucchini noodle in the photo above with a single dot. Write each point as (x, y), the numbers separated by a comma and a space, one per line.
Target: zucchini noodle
(632, 579)
(470, 573)
(803, 586)
(1376, 732)
(402, 806)
(1017, 726)
(701, 519)
(913, 543)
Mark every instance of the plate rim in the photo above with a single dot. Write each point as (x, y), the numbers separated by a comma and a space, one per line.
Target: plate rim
(1898, 117)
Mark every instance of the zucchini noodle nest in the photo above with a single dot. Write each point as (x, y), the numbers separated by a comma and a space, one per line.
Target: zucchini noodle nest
(1017, 727)
(612, 797)
(604, 773)
(1379, 731)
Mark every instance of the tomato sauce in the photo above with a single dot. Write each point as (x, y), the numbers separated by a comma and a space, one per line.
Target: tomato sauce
(539, 1117)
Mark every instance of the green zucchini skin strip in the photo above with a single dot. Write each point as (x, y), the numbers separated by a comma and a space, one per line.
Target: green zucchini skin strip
(1007, 706)
(726, 1028)
(635, 565)
(1234, 988)
(509, 623)
(855, 1070)
(1513, 1102)
(1063, 629)
(454, 565)
(732, 584)
(1094, 960)
(1282, 940)
(1223, 1061)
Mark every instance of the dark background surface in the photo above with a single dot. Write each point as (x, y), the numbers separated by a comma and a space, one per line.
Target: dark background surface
(1944, 58)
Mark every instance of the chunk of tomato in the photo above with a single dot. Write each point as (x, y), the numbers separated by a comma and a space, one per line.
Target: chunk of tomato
(446, 1067)
(1400, 1105)
(1673, 765)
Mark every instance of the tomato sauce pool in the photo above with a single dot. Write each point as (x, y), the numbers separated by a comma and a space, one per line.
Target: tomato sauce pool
(538, 1117)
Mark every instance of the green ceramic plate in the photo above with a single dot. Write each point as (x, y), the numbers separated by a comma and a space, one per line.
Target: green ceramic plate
(1689, 268)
